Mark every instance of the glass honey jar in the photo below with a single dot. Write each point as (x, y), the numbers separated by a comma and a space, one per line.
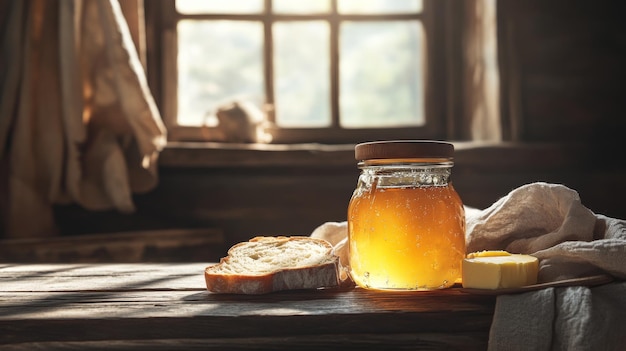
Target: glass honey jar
(406, 223)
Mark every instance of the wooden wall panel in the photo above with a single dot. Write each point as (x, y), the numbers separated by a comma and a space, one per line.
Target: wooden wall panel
(563, 64)
(242, 202)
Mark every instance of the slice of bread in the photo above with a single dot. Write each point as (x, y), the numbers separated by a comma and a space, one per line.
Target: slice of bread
(267, 264)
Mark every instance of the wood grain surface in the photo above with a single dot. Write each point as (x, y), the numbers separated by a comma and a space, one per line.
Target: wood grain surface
(166, 306)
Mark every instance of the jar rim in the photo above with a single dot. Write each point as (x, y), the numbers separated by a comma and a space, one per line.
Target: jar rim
(399, 149)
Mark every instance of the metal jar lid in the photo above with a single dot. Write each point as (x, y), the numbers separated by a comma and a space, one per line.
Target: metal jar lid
(397, 149)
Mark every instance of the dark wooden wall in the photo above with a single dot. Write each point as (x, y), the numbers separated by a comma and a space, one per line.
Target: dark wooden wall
(563, 66)
(563, 69)
(276, 199)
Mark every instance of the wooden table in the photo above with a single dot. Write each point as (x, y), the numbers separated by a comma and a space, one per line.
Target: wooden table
(166, 306)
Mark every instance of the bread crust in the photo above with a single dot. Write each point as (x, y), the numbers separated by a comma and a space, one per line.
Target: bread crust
(323, 275)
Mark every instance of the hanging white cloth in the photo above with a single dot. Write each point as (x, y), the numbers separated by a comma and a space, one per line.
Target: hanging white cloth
(77, 120)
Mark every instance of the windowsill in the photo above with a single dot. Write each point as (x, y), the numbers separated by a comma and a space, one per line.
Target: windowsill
(213, 154)
(484, 155)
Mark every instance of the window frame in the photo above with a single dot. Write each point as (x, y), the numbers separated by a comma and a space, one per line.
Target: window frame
(161, 21)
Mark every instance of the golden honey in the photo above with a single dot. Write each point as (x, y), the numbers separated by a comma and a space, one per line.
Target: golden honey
(406, 223)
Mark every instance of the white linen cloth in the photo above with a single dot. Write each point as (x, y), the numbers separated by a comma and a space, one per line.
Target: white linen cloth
(78, 123)
(547, 221)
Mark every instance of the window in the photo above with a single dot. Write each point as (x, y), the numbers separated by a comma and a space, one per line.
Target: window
(328, 71)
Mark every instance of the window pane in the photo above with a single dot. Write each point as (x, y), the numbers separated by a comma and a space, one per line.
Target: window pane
(381, 81)
(301, 6)
(301, 74)
(218, 61)
(378, 6)
(219, 6)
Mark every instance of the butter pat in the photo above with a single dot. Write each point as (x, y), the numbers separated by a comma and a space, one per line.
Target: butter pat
(499, 269)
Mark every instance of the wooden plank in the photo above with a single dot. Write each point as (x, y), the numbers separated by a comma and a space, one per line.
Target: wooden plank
(174, 303)
(133, 246)
(103, 277)
(152, 306)
(73, 316)
(194, 154)
(412, 341)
